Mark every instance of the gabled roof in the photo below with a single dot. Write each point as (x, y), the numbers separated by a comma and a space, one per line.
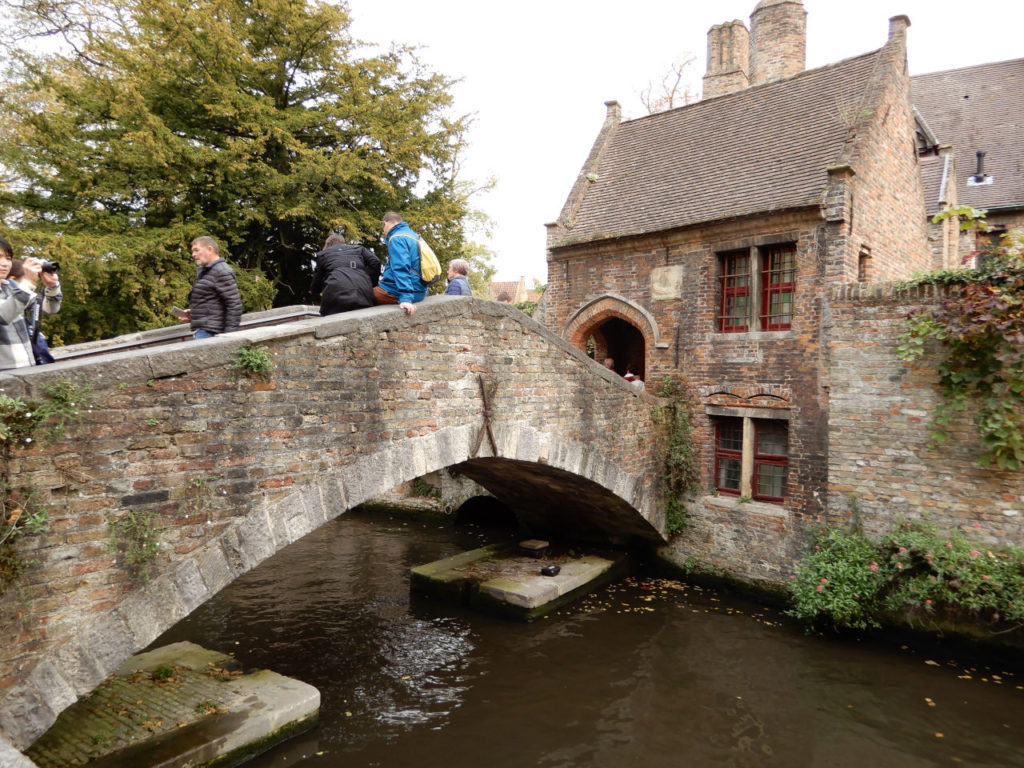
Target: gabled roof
(757, 150)
(972, 109)
(515, 290)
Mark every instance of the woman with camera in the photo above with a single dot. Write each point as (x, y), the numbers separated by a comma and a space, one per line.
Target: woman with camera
(18, 295)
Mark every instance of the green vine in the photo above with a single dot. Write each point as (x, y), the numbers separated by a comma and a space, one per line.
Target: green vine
(20, 514)
(981, 326)
(681, 463)
(21, 421)
(136, 542)
(199, 496)
(253, 361)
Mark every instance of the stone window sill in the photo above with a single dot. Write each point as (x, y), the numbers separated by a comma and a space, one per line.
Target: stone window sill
(719, 336)
(733, 502)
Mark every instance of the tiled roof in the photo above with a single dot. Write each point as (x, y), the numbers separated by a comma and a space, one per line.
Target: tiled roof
(510, 287)
(761, 149)
(931, 182)
(978, 108)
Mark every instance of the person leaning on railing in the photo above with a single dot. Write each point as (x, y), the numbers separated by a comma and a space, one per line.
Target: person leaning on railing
(16, 296)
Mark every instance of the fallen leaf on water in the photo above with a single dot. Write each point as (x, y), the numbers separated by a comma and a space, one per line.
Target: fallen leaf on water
(930, 702)
(932, 663)
(939, 735)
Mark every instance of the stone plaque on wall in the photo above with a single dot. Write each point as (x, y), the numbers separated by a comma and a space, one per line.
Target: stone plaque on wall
(667, 282)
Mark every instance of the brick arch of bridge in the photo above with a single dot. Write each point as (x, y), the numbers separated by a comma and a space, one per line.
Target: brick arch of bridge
(233, 469)
(592, 315)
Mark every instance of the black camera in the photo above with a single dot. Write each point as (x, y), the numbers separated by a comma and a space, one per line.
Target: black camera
(49, 266)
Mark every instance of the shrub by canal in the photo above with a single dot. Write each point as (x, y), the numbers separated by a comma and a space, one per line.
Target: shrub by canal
(913, 575)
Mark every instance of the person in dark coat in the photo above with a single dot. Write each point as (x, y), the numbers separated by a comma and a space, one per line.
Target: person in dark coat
(345, 274)
(214, 305)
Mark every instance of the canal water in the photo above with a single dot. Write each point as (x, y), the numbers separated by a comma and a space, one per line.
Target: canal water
(647, 672)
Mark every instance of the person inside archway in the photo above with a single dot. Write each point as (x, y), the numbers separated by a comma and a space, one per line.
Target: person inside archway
(633, 379)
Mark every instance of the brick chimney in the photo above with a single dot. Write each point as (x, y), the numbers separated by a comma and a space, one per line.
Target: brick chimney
(778, 40)
(728, 59)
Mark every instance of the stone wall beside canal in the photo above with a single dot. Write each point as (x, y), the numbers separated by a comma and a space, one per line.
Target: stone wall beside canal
(881, 457)
(881, 461)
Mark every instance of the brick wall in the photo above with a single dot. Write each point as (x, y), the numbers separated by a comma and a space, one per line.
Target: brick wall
(879, 447)
(885, 212)
(786, 364)
(879, 457)
(235, 468)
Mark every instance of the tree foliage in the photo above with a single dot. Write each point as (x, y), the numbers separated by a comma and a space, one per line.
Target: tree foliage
(259, 122)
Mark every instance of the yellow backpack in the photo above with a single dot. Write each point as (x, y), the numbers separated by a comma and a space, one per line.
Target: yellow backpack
(430, 267)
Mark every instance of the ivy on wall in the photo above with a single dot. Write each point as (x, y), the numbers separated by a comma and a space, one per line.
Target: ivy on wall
(22, 422)
(980, 325)
(681, 456)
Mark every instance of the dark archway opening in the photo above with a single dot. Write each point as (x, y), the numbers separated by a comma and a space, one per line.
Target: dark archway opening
(487, 512)
(622, 342)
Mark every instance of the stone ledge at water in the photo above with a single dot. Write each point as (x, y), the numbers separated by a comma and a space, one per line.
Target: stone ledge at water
(498, 579)
(179, 705)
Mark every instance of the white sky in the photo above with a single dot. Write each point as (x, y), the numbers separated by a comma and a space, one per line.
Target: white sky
(536, 75)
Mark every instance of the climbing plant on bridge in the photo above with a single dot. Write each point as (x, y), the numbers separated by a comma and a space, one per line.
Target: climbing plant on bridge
(681, 456)
(142, 124)
(136, 542)
(981, 327)
(22, 423)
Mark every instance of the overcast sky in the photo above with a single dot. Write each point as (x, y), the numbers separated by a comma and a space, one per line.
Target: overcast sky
(535, 75)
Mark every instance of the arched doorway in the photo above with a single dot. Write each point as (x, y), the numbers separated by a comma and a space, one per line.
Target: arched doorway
(623, 343)
(615, 327)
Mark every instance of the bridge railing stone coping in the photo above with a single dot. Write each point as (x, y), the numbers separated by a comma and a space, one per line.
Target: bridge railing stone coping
(180, 358)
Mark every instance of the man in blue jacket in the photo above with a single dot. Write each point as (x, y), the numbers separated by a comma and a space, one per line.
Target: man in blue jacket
(400, 281)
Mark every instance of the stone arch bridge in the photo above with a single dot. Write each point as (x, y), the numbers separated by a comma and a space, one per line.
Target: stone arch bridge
(234, 468)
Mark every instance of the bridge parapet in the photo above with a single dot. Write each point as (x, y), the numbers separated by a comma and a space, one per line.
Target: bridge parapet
(231, 469)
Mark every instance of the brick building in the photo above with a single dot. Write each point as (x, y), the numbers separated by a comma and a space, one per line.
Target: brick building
(704, 240)
(511, 291)
(970, 126)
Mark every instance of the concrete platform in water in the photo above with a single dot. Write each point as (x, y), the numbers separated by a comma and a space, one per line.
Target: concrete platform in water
(507, 580)
(180, 705)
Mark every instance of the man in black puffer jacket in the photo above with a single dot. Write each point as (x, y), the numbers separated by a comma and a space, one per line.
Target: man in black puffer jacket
(214, 305)
(345, 274)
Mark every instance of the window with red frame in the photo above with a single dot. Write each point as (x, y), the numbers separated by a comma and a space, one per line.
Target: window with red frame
(728, 455)
(734, 312)
(771, 460)
(777, 280)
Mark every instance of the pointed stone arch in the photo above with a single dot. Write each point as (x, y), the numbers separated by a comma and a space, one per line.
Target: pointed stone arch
(610, 307)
